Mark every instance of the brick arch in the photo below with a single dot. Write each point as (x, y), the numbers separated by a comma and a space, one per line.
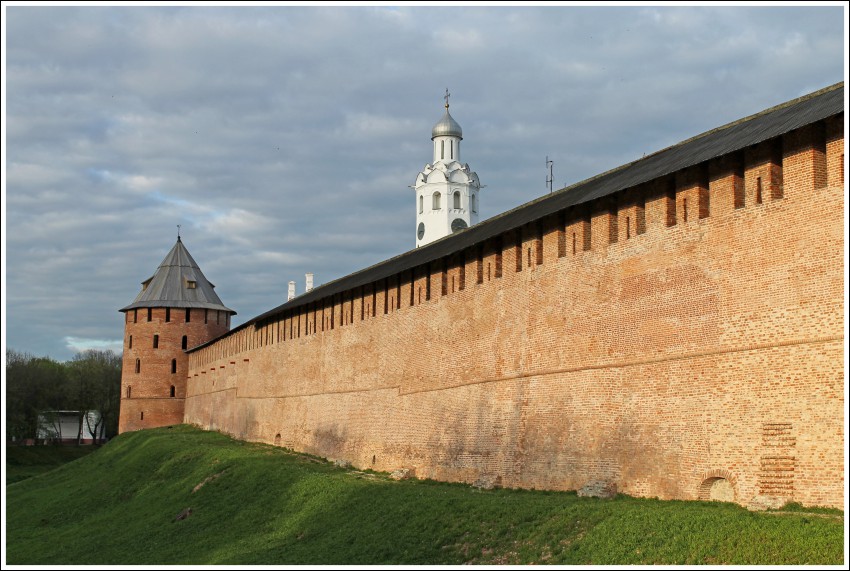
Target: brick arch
(709, 477)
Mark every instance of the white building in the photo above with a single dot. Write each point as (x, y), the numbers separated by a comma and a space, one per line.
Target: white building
(446, 190)
(64, 426)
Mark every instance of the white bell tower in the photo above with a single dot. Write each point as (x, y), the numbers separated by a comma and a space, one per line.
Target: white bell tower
(446, 190)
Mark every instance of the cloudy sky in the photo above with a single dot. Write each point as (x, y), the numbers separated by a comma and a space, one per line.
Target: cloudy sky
(283, 139)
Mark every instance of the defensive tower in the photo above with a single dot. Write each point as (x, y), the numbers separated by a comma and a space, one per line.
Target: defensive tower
(176, 310)
(446, 190)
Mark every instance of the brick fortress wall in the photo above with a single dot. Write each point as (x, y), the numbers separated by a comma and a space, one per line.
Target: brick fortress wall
(682, 332)
(149, 372)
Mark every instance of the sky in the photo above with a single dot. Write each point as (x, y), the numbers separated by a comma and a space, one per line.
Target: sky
(283, 139)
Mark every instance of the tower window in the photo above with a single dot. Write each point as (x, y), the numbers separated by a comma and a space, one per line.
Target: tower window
(172, 391)
(472, 203)
(138, 366)
(167, 314)
(129, 391)
(188, 315)
(173, 366)
(442, 149)
(191, 284)
(150, 314)
(457, 200)
(130, 342)
(156, 341)
(135, 316)
(435, 201)
(185, 343)
(142, 415)
(206, 315)
(421, 204)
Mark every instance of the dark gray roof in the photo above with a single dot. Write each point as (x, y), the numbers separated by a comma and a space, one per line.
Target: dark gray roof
(169, 286)
(720, 141)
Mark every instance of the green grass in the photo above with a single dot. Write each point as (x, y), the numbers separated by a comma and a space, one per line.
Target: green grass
(23, 462)
(264, 505)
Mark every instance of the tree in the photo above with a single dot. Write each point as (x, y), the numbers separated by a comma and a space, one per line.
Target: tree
(33, 385)
(37, 387)
(96, 386)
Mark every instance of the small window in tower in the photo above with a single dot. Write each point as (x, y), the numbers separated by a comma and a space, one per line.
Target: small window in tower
(167, 314)
(185, 342)
(191, 284)
(436, 201)
(130, 342)
(188, 315)
(442, 149)
(421, 204)
(472, 203)
(206, 315)
(150, 314)
(138, 365)
(173, 366)
(156, 341)
(129, 391)
(142, 415)
(172, 391)
(457, 200)
(135, 316)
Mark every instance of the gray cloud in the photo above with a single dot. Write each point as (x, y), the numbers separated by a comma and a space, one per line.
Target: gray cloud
(283, 139)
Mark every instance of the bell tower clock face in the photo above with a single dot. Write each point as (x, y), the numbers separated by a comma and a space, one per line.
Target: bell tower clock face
(420, 231)
(458, 224)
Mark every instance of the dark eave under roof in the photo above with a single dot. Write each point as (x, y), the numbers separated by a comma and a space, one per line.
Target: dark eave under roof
(730, 138)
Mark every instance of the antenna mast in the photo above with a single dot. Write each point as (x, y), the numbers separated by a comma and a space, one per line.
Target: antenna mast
(549, 177)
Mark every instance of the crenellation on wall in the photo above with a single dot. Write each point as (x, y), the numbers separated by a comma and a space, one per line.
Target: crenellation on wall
(803, 163)
(835, 150)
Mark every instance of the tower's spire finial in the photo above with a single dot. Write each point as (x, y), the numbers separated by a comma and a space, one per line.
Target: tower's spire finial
(447, 98)
(178, 232)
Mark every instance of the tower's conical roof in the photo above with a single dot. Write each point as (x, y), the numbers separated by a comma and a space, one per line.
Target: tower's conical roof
(178, 282)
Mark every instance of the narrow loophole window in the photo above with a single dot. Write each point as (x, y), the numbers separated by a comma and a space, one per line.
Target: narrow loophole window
(173, 366)
(172, 391)
(758, 190)
(138, 366)
(188, 315)
(156, 341)
(185, 343)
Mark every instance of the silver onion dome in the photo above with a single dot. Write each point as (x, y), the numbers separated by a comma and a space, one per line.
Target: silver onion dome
(447, 127)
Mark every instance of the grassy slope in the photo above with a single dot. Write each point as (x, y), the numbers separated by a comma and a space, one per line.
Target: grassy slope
(23, 462)
(264, 505)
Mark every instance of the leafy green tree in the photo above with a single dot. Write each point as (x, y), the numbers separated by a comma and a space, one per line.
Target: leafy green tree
(95, 388)
(33, 385)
